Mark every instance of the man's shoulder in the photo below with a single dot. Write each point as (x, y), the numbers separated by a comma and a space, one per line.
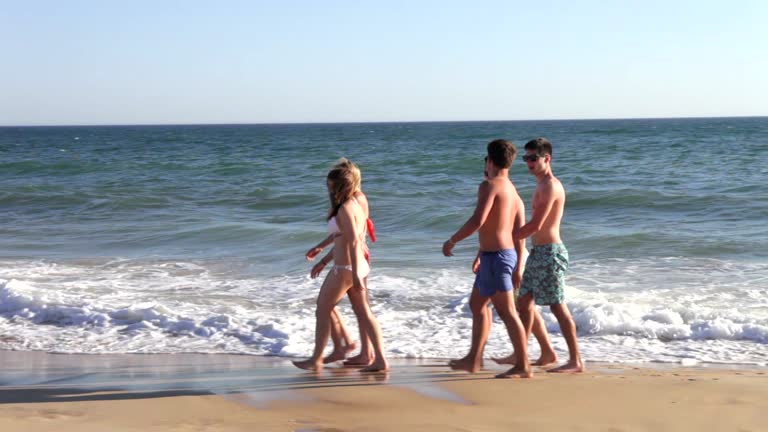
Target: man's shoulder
(557, 184)
(499, 187)
(550, 181)
(546, 188)
(552, 187)
(502, 182)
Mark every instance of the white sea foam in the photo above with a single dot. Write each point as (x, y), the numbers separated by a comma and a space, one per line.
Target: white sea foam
(675, 311)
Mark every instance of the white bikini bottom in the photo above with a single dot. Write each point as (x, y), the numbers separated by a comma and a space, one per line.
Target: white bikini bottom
(363, 270)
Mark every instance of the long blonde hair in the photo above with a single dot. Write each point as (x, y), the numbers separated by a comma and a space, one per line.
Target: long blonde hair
(357, 175)
(344, 180)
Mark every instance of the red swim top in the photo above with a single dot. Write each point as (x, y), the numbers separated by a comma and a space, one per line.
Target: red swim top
(372, 234)
(371, 229)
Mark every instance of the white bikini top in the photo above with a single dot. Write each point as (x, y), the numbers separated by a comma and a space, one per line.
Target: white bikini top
(333, 227)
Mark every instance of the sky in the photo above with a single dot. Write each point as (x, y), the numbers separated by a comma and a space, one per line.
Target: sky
(292, 61)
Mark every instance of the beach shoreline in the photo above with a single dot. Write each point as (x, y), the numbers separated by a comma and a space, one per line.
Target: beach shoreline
(186, 392)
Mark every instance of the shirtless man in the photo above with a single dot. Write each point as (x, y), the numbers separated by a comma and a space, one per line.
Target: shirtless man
(548, 355)
(479, 338)
(544, 277)
(497, 275)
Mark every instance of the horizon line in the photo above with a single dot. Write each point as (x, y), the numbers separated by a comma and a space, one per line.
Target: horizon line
(377, 122)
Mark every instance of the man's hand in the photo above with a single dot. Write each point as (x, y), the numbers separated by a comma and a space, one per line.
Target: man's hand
(448, 247)
(312, 253)
(317, 269)
(476, 264)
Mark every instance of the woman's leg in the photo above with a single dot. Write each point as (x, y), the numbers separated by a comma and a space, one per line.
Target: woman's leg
(373, 331)
(342, 341)
(346, 337)
(334, 287)
(336, 332)
(360, 305)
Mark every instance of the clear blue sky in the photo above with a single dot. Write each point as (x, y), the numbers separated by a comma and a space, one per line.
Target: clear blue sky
(154, 62)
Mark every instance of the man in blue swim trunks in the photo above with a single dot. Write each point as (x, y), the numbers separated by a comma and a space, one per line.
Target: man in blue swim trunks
(544, 277)
(498, 273)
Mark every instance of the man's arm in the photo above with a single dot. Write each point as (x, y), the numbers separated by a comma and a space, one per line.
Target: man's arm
(545, 199)
(519, 242)
(483, 208)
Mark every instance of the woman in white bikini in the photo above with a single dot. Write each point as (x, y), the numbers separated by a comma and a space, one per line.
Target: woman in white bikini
(347, 217)
(342, 341)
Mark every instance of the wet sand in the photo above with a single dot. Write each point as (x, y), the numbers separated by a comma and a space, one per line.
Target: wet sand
(59, 392)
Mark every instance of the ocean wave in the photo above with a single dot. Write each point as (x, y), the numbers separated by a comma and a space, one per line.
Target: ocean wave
(65, 324)
(663, 324)
(624, 310)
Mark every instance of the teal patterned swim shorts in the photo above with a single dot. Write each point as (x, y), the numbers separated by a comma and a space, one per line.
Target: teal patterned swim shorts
(544, 275)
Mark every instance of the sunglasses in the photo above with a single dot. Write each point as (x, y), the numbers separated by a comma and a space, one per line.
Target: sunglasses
(532, 158)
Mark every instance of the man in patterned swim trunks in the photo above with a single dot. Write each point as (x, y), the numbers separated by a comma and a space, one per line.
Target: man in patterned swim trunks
(544, 276)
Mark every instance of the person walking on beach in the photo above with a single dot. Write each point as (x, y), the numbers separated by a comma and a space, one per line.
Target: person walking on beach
(544, 276)
(497, 274)
(347, 217)
(479, 338)
(342, 341)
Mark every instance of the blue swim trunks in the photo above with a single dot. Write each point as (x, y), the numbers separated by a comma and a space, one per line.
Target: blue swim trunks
(544, 275)
(495, 272)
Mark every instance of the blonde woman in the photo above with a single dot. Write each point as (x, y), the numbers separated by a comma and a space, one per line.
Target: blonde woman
(347, 223)
(343, 344)
(342, 341)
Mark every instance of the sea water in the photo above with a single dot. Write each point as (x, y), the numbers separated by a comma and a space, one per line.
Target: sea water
(158, 239)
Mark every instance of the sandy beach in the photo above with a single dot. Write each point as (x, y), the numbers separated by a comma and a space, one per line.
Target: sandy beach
(59, 392)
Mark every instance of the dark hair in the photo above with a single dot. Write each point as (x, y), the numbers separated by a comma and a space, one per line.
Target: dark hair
(501, 152)
(342, 186)
(541, 145)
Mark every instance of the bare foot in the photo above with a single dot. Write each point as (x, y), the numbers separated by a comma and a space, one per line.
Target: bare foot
(546, 359)
(358, 361)
(570, 367)
(339, 354)
(334, 356)
(465, 359)
(465, 364)
(376, 366)
(356, 358)
(510, 359)
(309, 364)
(516, 372)
(451, 362)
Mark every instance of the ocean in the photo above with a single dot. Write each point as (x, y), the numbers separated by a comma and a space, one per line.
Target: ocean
(167, 239)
